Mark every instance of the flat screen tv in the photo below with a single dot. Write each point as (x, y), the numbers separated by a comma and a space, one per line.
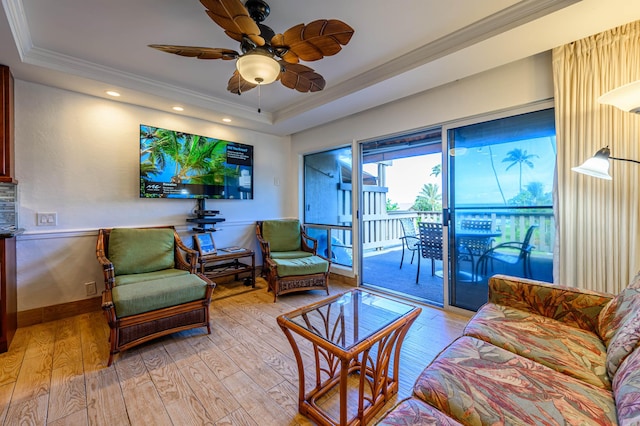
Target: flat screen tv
(181, 165)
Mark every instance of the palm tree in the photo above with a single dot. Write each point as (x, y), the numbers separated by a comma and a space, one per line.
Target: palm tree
(436, 170)
(196, 158)
(495, 174)
(519, 157)
(429, 198)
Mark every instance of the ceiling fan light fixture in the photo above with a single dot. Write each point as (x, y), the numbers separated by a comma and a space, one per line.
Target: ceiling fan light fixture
(258, 67)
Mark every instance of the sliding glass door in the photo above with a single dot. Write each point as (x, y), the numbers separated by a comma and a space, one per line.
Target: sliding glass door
(500, 203)
(401, 190)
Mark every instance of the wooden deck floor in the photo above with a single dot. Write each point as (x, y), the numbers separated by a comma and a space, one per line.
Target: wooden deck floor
(243, 373)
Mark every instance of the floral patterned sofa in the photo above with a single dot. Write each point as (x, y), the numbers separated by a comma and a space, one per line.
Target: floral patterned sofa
(535, 354)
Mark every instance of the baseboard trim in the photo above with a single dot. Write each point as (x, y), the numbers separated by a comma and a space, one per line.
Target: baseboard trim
(56, 312)
(353, 281)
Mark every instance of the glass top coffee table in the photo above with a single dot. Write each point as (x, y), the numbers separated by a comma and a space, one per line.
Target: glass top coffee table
(356, 333)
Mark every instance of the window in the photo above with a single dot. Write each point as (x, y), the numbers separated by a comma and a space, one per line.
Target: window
(327, 203)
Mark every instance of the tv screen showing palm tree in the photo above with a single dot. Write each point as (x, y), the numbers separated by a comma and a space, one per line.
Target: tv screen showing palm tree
(176, 164)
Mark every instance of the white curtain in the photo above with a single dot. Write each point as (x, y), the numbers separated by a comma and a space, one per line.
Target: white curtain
(598, 230)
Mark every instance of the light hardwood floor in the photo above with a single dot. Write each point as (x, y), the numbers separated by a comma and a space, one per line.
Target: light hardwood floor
(244, 373)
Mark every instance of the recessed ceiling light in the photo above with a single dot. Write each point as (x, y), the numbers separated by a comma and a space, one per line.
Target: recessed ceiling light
(112, 93)
(226, 120)
(178, 108)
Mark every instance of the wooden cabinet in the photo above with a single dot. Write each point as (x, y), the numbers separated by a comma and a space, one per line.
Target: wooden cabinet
(6, 125)
(8, 285)
(8, 305)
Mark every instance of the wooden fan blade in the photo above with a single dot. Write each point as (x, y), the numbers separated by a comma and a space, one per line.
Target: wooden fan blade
(239, 85)
(301, 78)
(198, 52)
(324, 37)
(233, 17)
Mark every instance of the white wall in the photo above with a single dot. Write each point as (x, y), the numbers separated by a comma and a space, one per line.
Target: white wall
(517, 84)
(78, 156)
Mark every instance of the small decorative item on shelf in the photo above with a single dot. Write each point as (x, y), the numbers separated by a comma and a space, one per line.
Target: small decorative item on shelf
(233, 249)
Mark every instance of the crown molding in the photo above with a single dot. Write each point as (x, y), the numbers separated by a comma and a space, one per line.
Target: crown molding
(19, 26)
(49, 59)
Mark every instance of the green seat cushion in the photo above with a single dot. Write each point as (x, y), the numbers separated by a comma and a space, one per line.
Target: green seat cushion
(145, 296)
(301, 266)
(282, 235)
(136, 251)
(149, 276)
(290, 254)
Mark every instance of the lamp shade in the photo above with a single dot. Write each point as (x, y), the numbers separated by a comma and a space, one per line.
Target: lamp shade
(626, 97)
(596, 166)
(258, 67)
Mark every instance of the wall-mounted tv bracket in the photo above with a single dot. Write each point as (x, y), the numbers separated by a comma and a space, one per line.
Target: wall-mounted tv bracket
(205, 220)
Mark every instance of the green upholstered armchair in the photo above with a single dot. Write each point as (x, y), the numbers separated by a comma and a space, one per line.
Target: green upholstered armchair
(289, 258)
(151, 285)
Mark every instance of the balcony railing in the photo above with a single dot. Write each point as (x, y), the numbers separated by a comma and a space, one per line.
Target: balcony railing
(384, 231)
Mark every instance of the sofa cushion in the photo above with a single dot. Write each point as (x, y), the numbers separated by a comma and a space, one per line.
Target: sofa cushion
(476, 383)
(135, 251)
(290, 254)
(635, 281)
(282, 235)
(619, 327)
(137, 298)
(626, 389)
(413, 412)
(301, 266)
(569, 350)
(149, 276)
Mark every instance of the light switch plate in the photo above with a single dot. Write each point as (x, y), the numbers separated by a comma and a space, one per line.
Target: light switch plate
(46, 219)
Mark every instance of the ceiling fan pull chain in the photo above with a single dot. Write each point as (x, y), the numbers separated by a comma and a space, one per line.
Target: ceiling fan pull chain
(259, 92)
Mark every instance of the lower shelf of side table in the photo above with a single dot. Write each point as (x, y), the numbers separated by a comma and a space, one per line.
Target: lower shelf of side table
(229, 264)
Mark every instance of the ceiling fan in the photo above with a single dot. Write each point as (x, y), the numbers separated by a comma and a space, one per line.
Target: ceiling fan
(267, 56)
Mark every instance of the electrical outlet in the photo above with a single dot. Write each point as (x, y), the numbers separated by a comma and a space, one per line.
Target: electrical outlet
(90, 288)
(46, 219)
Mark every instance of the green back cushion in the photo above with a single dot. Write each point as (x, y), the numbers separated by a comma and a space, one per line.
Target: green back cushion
(136, 251)
(282, 235)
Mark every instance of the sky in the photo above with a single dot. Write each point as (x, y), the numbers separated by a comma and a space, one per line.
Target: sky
(475, 181)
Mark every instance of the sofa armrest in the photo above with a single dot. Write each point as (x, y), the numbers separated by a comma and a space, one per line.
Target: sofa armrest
(107, 266)
(264, 247)
(186, 258)
(309, 244)
(571, 305)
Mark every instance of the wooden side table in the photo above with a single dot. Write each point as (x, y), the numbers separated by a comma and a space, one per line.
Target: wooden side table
(227, 262)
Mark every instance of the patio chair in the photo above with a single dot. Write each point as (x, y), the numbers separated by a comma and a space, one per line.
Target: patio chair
(511, 253)
(470, 248)
(151, 285)
(430, 244)
(410, 239)
(289, 258)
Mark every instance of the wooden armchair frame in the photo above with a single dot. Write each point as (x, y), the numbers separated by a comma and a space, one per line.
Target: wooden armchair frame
(133, 330)
(282, 285)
